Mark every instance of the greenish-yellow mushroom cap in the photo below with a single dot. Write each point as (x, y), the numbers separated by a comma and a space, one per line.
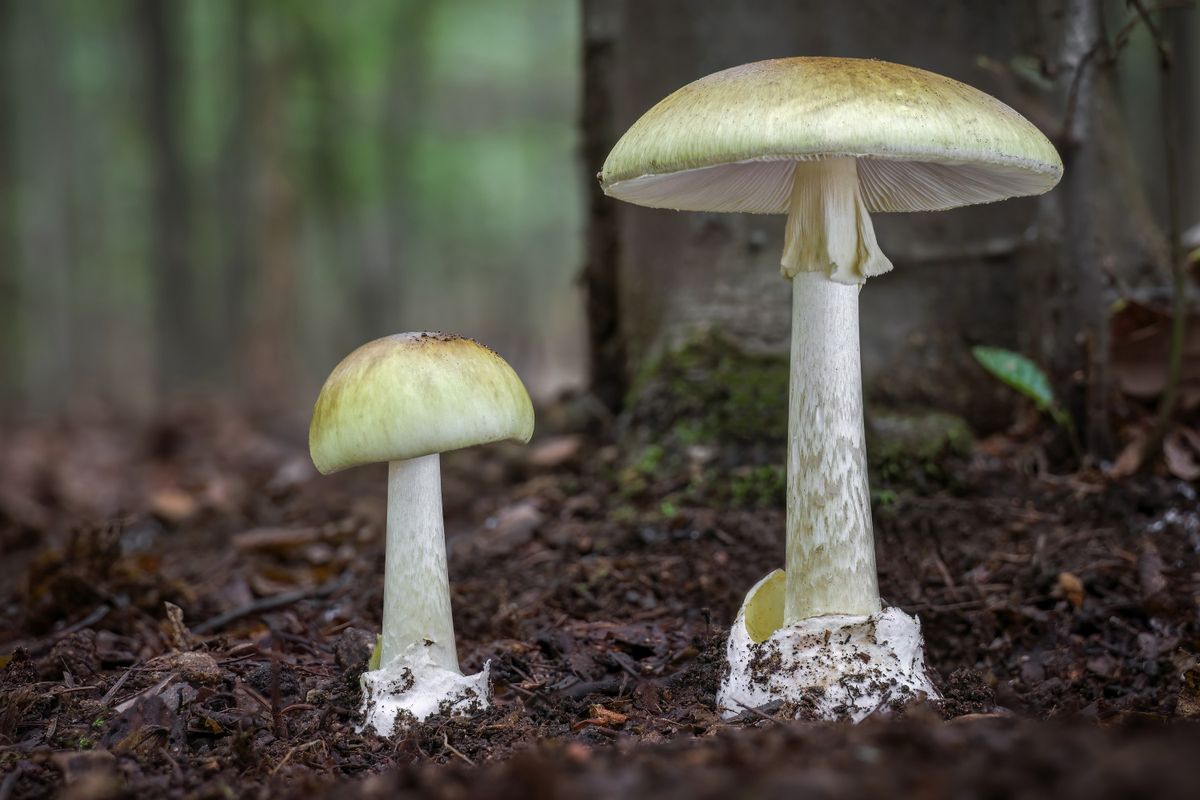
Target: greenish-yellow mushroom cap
(414, 394)
(924, 142)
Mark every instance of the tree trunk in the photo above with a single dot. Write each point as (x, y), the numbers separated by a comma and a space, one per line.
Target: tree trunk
(10, 287)
(1184, 27)
(48, 246)
(607, 366)
(406, 101)
(237, 176)
(271, 373)
(176, 325)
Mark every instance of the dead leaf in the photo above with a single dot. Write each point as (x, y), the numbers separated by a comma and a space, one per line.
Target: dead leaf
(602, 716)
(608, 716)
(173, 505)
(555, 451)
(1141, 339)
(1189, 694)
(1181, 448)
(142, 727)
(1071, 587)
(176, 633)
(1129, 461)
(279, 540)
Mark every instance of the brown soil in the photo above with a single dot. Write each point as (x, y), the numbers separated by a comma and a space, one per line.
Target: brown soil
(185, 611)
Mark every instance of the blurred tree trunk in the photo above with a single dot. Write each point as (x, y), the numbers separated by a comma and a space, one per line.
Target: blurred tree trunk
(10, 287)
(271, 375)
(236, 187)
(49, 254)
(607, 368)
(176, 326)
(1184, 27)
(666, 275)
(383, 283)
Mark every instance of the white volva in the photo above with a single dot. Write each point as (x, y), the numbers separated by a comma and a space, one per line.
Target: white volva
(832, 666)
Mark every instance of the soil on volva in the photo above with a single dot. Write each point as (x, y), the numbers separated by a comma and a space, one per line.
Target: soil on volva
(186, 609)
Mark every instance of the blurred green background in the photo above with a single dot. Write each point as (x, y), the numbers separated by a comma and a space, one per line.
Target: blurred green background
(231, 195)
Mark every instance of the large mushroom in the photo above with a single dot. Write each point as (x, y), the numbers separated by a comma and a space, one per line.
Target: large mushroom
(405, 399)
(826, 141)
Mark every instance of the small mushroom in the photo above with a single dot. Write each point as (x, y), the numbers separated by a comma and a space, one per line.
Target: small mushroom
(827, 141)
(404, 399)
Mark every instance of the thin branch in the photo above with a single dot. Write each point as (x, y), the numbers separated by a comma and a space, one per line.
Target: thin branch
(1179, 306)
(269, 604)
(1141, 16)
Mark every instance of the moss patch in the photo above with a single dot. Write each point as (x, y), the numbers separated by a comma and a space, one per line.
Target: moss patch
(711, 392)
(707, 423)
(916, 450)
(711, 421)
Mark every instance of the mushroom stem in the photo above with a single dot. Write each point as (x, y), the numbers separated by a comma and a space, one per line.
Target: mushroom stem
(416, 589)
(830, 545)
(830, 250)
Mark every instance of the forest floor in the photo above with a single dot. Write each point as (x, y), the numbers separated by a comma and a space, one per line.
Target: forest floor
(185, 609)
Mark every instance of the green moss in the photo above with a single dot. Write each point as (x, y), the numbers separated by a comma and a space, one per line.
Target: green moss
(758, 487)
(651, 458)
(916, 450)
(711, 392)
(713, 418)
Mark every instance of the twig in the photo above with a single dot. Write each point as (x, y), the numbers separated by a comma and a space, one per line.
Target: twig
(277, 697)
(455, 750)
(291, 752)
(269, 604)
(1119, 42)
(98, 613)
(116, 687)
(759, 712)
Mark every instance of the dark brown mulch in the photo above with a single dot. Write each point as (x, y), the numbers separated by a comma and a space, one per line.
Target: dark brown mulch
(185, 611)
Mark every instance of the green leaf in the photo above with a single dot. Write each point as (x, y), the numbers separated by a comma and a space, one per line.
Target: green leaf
(1018, 372)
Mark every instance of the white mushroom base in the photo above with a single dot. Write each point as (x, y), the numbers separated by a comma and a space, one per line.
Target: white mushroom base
(832, 667)
(413, 687)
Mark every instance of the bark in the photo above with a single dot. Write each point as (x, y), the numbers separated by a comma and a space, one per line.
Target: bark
(176, 325)
(10, 287)
(407, 105)
(606, 366)
(48, 243)
(237, 183)
(1183, 26)
(271, 377)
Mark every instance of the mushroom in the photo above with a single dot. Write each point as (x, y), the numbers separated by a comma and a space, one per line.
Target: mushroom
(405, 399)
(826, 141)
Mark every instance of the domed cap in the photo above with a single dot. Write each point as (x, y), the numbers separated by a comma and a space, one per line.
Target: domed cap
(414, 394)
(924, 142)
